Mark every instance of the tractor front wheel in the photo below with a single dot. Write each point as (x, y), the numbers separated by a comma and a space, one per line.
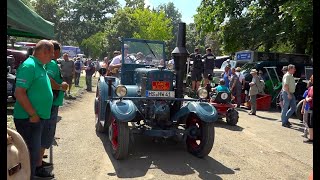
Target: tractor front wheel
(232, 116)
(119, 138)
(200, 139)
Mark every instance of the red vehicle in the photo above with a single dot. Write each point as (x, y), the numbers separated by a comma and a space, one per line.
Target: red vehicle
(19, 57)
(222, 102)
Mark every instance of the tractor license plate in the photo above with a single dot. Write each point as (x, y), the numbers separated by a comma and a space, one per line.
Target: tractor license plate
(160, 94)
(160, 85)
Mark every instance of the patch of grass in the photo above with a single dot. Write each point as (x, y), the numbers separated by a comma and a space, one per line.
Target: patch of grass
(82, 85)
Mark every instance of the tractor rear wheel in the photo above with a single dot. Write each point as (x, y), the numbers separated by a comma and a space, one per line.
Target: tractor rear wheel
(119, 138)
(201, 137)
(232, 117)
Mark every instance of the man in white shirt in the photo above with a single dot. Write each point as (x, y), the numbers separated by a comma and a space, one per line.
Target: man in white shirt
(116, 64)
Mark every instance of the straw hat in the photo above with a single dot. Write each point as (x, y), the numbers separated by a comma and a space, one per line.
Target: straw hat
(253, 71)
(285, 68)
(238, 69)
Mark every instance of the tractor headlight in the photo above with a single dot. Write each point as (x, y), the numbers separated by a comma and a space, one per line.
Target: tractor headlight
(202, 93)
(121, 91)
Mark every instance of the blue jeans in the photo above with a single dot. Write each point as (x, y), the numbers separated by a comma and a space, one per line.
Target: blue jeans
(286, 112)
(49, 128)
(31, 133)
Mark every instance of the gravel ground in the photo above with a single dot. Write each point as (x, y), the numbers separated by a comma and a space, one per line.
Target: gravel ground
(257, 148)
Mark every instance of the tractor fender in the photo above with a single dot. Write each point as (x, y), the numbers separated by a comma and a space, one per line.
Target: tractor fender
(103, 93)
(205, 111)
(123, 110)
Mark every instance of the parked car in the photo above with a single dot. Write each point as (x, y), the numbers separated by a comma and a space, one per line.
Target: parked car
(19, 57)
(146, 96)
(233, 64)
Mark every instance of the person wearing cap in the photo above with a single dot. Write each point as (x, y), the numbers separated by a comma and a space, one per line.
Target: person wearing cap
(208, 65)
(241, 77)
(197, 69)
(289, 100)
(253, 91)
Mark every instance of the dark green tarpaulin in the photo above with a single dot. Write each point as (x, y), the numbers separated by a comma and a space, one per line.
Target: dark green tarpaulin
(23, 22)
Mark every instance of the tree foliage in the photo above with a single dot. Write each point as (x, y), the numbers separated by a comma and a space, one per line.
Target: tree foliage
(95, 44)
(152, 25)
(260, 23)
(174, 15)
(78, 19)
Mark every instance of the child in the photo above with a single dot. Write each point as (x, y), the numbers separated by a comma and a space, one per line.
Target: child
(304, 111)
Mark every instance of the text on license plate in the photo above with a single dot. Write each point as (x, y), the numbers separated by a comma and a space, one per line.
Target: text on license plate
(160, 85)
(160, 93)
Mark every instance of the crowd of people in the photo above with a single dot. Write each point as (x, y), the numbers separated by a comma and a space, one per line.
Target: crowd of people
(41, 85)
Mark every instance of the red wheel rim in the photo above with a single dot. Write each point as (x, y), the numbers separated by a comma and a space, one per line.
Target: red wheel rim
(114, 140)
(194, 141)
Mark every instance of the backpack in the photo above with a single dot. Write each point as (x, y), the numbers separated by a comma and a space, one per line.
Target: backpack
(77, 65)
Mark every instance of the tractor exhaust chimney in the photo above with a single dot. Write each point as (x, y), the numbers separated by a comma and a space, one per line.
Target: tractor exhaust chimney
(180, 55)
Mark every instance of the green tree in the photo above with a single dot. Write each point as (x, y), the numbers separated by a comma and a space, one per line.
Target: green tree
(194, 39)
(122, 24)
(135, 4)
(175, 16)
(152, 25)
(257, 24)
(95, 44)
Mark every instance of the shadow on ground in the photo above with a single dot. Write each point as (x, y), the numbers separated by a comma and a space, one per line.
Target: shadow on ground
(168, 156)
(223, 124)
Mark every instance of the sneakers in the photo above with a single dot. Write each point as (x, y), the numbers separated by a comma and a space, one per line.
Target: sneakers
(308, 141)
(46, 164)
(304, 135)
(288, 125)
(42, 173)
(251, 113)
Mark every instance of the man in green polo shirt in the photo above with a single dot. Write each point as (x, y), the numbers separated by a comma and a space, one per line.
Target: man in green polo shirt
(49, 127)
(34, 99)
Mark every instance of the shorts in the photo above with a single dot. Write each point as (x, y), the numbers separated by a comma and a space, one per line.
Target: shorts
(196, 75)
(68, 79)
(206, 73)
(49, 128)
(310, 120)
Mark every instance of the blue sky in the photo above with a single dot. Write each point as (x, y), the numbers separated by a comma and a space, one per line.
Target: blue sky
(187, 8)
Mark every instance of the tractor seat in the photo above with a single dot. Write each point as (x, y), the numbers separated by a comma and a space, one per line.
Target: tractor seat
(222, 97)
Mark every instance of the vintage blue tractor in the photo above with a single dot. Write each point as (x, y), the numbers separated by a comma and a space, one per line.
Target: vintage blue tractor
(148, 99)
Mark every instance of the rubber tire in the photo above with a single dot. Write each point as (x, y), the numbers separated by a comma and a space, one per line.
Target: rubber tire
(98, 125)
(298, 110)
(208, 134)
(232, 117)
(123, 141)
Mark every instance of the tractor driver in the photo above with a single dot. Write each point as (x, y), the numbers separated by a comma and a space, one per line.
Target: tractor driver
(115, 64)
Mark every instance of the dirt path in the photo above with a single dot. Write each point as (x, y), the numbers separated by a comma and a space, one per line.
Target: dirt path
(258, 148)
